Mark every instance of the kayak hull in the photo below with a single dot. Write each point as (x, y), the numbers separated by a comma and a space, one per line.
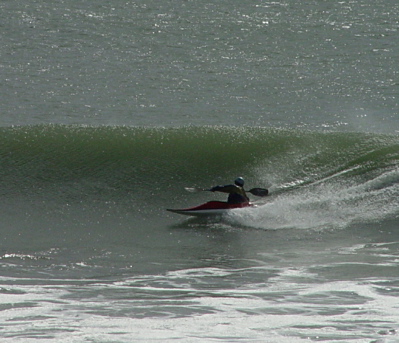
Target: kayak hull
(210, 208)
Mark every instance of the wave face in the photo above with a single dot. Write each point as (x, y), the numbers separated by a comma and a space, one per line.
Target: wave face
(316, 179)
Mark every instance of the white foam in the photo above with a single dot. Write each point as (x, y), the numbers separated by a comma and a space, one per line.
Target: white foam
(326, 205)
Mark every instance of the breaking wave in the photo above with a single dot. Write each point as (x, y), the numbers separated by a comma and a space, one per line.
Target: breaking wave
(315, 178)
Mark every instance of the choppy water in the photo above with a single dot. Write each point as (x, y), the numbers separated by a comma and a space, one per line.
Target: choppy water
(109, 110)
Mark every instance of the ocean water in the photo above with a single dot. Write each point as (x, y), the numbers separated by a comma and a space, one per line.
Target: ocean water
(109, 109)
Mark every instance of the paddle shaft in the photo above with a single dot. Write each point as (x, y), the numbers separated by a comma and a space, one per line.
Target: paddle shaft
(260, 192)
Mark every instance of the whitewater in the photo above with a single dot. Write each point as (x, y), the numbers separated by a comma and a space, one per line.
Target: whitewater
(109, 110)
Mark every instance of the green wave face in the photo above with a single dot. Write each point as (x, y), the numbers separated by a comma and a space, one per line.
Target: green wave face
(153, 165)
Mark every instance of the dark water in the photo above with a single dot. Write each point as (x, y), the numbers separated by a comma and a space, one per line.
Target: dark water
(109, 109)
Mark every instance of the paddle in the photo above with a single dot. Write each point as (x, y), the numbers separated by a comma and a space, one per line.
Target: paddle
(260, 192)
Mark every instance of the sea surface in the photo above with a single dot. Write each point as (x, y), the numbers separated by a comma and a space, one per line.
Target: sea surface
(109, 109)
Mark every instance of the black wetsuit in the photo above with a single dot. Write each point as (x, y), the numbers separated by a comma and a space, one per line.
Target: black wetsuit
(237, 194)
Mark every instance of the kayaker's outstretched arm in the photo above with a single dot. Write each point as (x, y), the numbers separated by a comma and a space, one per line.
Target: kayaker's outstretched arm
(224, 189)
(236, 191)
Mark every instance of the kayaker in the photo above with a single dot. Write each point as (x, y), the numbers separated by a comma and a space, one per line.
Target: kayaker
(236, 192)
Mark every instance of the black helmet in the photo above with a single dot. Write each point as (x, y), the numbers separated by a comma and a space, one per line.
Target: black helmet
(239, 181)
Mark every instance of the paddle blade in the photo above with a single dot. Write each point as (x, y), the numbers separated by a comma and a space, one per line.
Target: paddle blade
(192, 189)
(195, 189)
(260, 192)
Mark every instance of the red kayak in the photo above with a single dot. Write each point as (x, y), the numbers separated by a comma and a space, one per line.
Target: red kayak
(210, 208)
